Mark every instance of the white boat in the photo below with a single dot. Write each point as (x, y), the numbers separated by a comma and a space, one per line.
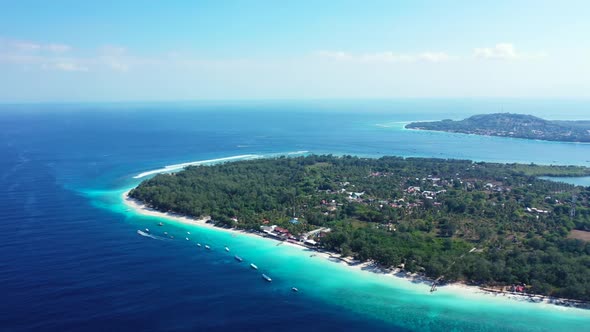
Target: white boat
(207, 247)
(267, 278)
(254, 266)
(294, 289)
(187, 238)
(147, 230)
(227, 249)
(198, 244)
(165, 233)
(189, 233)
(238, 258)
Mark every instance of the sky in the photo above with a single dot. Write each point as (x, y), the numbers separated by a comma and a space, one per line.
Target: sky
(70, 51)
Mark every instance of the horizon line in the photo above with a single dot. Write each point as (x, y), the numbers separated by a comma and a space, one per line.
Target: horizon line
(254, 100)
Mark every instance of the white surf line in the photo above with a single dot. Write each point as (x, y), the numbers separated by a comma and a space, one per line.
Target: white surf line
(174, 167)
(397, 123)
(171, 168)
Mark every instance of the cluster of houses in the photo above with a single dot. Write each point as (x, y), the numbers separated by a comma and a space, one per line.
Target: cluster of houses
(401, 203)
(517, 288)
(330, 205)
(531, 210)
(435, 186)
(283, 234)
(495, 187)
(428, 194)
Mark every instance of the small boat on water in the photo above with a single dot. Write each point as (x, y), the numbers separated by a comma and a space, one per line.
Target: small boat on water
(295, 289)
(207, 247)
(254, 266)
(165, 233)
(189, 233)
(238, 258)
(227, 249)
(267, 278)
(160, 224)
(187, 238)
(147, 230)
(198, 245)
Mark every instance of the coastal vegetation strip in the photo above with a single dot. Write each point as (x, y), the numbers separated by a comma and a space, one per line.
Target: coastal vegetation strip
(451, 220)
(512, 125)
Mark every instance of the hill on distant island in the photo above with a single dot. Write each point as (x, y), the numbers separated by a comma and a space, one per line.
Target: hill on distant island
(512, 125)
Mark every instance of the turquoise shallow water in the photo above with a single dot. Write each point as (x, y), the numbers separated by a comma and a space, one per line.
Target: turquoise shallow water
(73, 258)
(383, 297)
(578, 181)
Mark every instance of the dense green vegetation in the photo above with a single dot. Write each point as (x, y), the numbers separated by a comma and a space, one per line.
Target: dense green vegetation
(513, 125)
(484, 223)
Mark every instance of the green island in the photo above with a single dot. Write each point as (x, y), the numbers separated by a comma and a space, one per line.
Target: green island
(487, 224)
(512, 125)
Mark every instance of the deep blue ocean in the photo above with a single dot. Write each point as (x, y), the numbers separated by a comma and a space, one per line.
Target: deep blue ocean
(71, 258)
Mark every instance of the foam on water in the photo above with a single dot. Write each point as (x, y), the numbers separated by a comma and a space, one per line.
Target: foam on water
(142, 233)
(176, 167)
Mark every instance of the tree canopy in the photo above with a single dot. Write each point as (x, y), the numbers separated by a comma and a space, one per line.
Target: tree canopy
(487, 223)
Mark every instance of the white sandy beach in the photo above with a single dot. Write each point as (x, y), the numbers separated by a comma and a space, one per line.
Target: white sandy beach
(147, 211)
(369, 267)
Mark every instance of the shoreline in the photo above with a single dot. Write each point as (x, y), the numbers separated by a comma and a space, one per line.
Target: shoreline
(398, 274)
(481, 135)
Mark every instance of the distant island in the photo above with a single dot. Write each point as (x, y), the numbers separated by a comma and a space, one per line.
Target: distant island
(512, 125)
(494, 225)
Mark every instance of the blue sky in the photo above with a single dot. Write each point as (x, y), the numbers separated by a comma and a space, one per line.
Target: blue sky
(191, 50)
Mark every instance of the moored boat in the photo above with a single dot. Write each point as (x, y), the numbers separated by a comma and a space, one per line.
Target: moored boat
(254, 266)
(267, 278)
(294, 289)
(207, 247)
(198, 245)
(227, 249)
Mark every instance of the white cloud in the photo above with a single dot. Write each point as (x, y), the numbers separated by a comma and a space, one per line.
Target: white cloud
(24, 46)
(115, 58)
(504, 51)
(58, 48)
(385, 57)
(52, 56)
(115, 63)
(29, 47)
(434, 56)
(336, 55)
(29, 55)
(119, 59)
(69, 66)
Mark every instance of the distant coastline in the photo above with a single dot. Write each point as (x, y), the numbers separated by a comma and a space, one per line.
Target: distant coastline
(512, 126)
(456, 287)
